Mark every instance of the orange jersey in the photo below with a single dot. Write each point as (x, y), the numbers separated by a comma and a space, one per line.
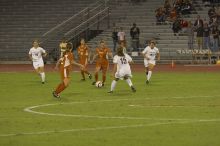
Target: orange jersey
(66, 60)
(83, 52)
(102, 54)
(66, 64)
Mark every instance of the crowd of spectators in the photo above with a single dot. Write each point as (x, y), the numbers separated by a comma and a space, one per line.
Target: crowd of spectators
(171, 10)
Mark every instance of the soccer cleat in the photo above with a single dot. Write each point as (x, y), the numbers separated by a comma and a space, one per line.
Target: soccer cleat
(56, 95)
(93, 83)
(133, 89)
(147, 82)
(90, 76)
(103, 84)
(42, 82)
(83, 79)
(110, 92)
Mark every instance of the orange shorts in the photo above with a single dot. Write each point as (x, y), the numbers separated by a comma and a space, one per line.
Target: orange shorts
(83, 62)
(102, 65)
(65, 72)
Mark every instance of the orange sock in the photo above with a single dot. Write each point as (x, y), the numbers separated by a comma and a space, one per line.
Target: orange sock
(60, 88)
(103, 78)
(82, 73)
(86, 72)
(96, 77)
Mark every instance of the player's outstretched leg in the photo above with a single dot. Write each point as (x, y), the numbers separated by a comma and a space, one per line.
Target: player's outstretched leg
(61, 87)
(149, 74)
(83, 75)
(113, 85)
(90, 75)
(104, 76)
(128, 80)
(41, 72)
(96, 75)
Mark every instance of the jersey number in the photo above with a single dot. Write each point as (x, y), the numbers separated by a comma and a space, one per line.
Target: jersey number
(123, 61)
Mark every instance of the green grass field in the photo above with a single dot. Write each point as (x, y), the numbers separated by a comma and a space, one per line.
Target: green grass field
(175, 109)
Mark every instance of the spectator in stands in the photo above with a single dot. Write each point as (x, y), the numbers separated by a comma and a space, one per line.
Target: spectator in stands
(178, 5)
(211, 12)
(186, 7)
(215, 35)
(184, 26)
(121, 36)
(198, 22)
(134, 33)
(190, 32)
(173, 15)
(167, 7)
(115, 38)
(176, 26)
(206, 36)
(199, 36)
(160, 15)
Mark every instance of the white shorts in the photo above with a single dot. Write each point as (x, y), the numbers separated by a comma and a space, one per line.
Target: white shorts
(123, 73)
(147, 62)
(37, 64)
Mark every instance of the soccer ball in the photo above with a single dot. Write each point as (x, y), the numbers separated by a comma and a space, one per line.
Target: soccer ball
(98, 84)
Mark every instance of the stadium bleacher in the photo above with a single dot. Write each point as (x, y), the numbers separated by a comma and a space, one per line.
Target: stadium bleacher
(24, 20)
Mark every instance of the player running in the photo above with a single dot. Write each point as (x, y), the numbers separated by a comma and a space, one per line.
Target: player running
(65, 65)
(122, 69)
(36, 55)
(150, 53)
(83, 52)
(102, 63)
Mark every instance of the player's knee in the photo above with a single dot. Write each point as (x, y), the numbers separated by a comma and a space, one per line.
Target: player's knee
(126, 77)
(116, 79)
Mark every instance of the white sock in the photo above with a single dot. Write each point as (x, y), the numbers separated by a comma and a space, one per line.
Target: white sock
(42, 76)
(129, 82)
(113, 85)
(149, 75)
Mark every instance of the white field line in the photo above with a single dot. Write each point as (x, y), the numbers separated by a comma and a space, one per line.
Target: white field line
(105, 128)
(31, 110)
(173, 106)
(168, 121)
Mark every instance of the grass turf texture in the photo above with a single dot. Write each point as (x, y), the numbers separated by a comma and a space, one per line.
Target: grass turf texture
(173, 110)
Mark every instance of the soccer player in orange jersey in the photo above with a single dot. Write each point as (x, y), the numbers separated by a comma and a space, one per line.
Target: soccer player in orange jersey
(83, 52)
(65, 65)
(102, 63)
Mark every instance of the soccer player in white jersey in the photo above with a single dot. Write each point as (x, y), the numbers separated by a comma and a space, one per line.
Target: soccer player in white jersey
(121, 69)
(150, 53)
(36, 55)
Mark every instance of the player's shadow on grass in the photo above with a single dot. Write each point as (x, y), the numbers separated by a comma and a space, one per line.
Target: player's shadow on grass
(122, 93)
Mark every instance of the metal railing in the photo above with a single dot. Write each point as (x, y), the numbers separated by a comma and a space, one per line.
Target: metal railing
(71, 27)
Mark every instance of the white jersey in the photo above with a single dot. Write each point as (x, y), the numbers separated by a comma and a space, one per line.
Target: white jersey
(150, 53)
(121, 35)
(123, 67)
(36, 54)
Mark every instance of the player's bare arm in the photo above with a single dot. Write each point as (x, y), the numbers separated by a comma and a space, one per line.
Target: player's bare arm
(131, 62)
(110, 55)
(45, 54)
(145, 56)
(30, 57)
(77, 64)
(158, 56)
(94, 57)
(57, 64)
